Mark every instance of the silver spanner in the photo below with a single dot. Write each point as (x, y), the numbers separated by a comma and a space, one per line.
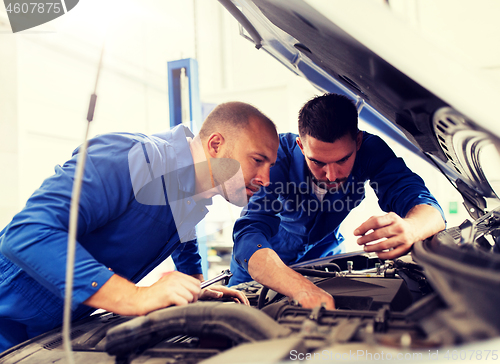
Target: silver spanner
(225, 275)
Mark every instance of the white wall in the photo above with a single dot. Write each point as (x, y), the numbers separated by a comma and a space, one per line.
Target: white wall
(48, 74)
(9, 141)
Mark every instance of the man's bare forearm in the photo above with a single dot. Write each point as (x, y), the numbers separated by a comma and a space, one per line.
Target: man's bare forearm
(116, 295)
(266, 267)
(121, 296)
(426, 220)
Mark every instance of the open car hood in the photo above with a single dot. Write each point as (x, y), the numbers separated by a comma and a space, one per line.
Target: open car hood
(407, 86)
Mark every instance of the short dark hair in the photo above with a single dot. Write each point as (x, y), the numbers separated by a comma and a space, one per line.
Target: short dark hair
(328, 118)
(232, 117)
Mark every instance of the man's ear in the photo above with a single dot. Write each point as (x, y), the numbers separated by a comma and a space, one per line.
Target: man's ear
(214, 144)
(359, 140)
(299, 143)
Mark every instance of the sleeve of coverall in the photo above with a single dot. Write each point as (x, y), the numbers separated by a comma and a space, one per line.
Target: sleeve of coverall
(187, 258)
(37, 237)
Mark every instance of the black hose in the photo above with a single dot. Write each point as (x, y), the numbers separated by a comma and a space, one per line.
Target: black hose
(262, 297)
(239, 323)
(330, 266)
(315, 273)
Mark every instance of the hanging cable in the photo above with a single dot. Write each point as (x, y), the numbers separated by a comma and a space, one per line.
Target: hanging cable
(73, 222)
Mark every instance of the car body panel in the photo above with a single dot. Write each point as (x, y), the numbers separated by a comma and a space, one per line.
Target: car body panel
(339, 46)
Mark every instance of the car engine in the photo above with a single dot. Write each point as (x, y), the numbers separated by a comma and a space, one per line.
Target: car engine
(439, 296)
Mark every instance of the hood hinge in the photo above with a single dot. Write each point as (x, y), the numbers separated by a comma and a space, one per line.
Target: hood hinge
(473, 201)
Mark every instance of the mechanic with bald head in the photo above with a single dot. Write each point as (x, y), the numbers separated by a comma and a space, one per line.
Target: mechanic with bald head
(318, 179)
(141, 199)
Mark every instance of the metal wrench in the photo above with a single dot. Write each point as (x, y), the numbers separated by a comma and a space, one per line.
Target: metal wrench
(225, 275)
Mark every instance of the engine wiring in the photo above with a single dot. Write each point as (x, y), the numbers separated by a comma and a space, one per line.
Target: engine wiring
(327, 270)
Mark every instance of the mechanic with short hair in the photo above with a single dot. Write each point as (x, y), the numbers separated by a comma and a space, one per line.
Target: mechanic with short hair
(318, 179)
(141, 199)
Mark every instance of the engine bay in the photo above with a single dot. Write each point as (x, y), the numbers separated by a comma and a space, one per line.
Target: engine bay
(439, 296)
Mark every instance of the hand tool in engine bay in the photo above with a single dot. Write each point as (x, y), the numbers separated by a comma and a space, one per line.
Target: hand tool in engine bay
(225, 275)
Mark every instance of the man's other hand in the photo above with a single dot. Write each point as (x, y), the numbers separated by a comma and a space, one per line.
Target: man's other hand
(387, 232)
(314, 297)
(173, 289)
(267, 268)
(218, 292)
(392, 236)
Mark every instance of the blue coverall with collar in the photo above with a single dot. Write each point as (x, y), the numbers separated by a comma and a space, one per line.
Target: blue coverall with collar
(288, 217)
(136, 209)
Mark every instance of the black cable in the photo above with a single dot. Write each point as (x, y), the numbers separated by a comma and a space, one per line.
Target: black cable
(330, 266)
(315, 273)
(262, 297)
(73, 222)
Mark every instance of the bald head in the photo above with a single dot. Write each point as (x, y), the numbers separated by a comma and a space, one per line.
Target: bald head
(241, 144)
(232, 118)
